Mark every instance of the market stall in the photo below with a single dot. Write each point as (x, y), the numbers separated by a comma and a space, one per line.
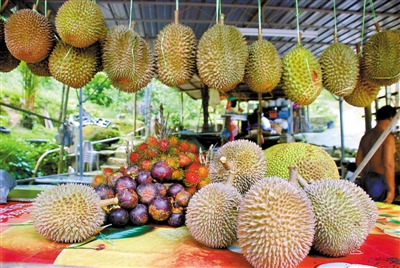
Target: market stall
(164, 246)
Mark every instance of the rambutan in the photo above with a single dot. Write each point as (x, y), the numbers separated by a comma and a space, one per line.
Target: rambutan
(107, 171)
(184, 146)
(98, 180)
(193, 148)
(146, 165)
(192, 189)
(172, 162)
(177, 174)
(174, 151)
(191, 178)
(142, 146)
(193, 167)
(184, 160)
(203, 182)
(134, 156)
(152, 141)
(163, 144)
(203, 172)
(173, 141)
(152, 152)
(163, 157)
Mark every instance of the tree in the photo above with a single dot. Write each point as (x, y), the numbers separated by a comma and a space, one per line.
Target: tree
(29, 84)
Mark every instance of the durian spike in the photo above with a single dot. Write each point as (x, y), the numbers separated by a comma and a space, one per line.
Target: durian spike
(107, 202)
(4, 6)
(176, 16)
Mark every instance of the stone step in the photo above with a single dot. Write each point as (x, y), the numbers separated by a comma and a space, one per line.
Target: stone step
(116, 161)
(113, 167)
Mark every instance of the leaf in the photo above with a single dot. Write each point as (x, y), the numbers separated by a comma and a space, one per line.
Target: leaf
(118, 233)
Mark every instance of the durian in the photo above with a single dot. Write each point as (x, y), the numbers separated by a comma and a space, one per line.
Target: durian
(302, 76)
(381, 58)
(365, 92)
(1, 29)
(275, 224)
(127, 59)
(176, 54)
(29, 35)
(247, 160)
(72, 66)
(68, 213)
(7, 61)
(221, 57)
(212, 213)
(312, 162)
(264, 67)
(80, 23)
(340, 68)
(341, 224)
(40, 68)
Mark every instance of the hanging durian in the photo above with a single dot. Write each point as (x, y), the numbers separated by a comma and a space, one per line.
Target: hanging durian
(175, 53)
(80, 23)
(221, 57)
(127, 59)
(264, 67)
(340, 69)
(302, 76)
(381, 57)
(40, 68)
(29, 35)
(7, 61)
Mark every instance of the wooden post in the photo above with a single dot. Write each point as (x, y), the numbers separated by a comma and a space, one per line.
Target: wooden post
(204, 101)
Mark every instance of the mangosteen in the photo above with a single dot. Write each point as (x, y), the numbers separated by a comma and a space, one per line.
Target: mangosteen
(162, 189)
(112, 178)
(177, 217)
(174, 189)
(144, 176)
(139, 215)
(125, 182)
(182, 198)
(131, 171)
(118, 217)
(161, 171)
(147, 192)
(160, 208)
(104, 191)
(128, 198)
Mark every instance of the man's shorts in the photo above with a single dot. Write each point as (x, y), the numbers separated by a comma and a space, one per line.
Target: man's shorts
(375, 185)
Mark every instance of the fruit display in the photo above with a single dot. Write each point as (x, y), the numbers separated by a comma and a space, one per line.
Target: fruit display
(69, 213)
(156, 185)
(312, 162)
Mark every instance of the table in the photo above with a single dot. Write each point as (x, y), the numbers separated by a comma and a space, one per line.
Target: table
(165, 246)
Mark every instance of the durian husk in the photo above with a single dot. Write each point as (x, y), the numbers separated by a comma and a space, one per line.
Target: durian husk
(248, 162)
(264, 67)
(312, 162)
(1, 29)
(365, 92)
(302, 76)
(381, 58)
(80, 23)
(73, 66)
(175, 52)
(275, 224)
(127, 59)
(29, 35)
(40, 68)
(340, 69)
(67, 213)
(212, 213)
(221, 57)
(341, 224)
(7, 61)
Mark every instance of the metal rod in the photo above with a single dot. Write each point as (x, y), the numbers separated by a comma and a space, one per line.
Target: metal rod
(80, 132)
(29, 112)
(341, 138)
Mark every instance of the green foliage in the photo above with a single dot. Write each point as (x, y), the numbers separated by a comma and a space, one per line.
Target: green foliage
(19, 157)
(4, 117)
(97, 90)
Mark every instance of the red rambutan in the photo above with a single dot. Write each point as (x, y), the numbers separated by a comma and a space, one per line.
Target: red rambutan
(184, 146)
(203, 172)
(184, 160)
(152, 141)
(193, 148)
(191, 178)
(163, 144)
(146, 165)
(134, 156)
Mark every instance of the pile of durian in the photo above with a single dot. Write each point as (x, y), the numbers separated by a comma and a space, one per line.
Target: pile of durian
(79, 45)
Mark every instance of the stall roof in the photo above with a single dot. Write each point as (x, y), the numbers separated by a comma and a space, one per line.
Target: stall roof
(151, 16)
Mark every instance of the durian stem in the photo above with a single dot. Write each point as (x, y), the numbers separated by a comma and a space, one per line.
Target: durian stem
(335, 37)
(225, 163)
(133, 24)
(221, 19)
(4, 6)
(303, 183)
(34, 7)
(293, 175)
(176, 16)
(232, 174)
(48, 14)
(107, 202)
(377, 26)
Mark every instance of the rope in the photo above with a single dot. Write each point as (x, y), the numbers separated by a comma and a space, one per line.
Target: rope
(177, 4)
(130, 14)
(216, 12)
(259, 19)
(297, 22)
(362, 28)
(371, 3)
(334, 17)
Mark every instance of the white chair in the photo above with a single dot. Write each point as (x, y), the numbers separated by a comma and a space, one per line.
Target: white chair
(90, 156)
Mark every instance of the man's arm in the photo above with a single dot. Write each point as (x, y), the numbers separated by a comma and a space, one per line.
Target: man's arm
(389, 149)
(360, 155)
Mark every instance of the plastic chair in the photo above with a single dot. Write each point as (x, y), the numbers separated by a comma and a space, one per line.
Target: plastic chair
(90, 156)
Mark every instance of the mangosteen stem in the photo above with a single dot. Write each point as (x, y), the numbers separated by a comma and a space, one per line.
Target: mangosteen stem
(107, 202)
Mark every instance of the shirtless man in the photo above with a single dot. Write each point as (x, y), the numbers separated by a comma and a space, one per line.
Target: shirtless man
(377, 178)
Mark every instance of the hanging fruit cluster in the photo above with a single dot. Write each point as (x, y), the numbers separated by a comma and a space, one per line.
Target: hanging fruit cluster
(157, 183)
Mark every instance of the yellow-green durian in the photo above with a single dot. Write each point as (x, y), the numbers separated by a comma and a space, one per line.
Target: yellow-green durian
(263, 67)
(302, 76)
(221, 57)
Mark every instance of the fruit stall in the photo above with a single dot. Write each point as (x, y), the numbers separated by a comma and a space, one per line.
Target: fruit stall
(173, 203)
